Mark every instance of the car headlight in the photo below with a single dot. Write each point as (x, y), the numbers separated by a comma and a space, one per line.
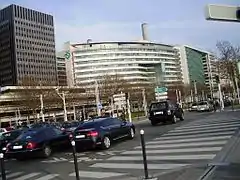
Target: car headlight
(169, 112)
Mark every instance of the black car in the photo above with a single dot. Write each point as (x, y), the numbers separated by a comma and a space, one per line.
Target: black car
(7, 137)
(165, 111)
(101, 132)
(37, 142)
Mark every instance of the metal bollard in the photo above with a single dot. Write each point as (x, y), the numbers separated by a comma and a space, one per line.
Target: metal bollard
(2, 167)
(144, 154)
(75, 159)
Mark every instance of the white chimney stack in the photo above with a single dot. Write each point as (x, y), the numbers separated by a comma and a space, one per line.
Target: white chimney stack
(144, 32)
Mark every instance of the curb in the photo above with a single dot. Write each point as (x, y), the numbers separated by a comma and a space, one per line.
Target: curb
(221, 158)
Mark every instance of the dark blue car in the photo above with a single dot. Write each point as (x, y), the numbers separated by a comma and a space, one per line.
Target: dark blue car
(101, 132)
(37, 142)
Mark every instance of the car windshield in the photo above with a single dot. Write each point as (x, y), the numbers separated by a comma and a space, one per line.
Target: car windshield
(88, 125)
(10, 135)
(158, 106)
(69, 125)
(27, 135)
(202, 103)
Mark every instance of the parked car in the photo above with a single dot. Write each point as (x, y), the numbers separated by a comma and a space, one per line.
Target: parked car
(101, 132)
(165, 111)
(7, 137)
(193, 107)
(204, 106)
(40, 141)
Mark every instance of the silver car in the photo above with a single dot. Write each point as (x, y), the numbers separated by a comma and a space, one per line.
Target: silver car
(204, 106)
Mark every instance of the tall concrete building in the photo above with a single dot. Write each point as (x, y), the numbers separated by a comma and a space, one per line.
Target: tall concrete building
(27, 46)
(61, 70)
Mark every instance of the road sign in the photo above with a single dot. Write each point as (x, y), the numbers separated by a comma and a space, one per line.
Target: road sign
(161, 89)
(222, 13)
(67, 55)
(99, 105)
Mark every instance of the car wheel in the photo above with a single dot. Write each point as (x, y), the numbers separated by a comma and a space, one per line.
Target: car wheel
(131, 133)
(174, 119)
(153, 123)
(106, 143)
(182, 117)
(47, 151)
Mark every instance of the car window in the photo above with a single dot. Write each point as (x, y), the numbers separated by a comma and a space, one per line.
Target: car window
(202, 103)
(158, 106)
(11, 135)
(27, 135)
(57, 131)
(115, 121)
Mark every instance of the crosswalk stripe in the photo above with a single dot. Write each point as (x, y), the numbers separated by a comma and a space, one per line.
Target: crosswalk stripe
(207, 125)
(199, 123)
(189, 140)
(204, 128)
(28, 176)
(198, 132)
(155, 158)
(136, 166)
(162, 151)
(13, 175)
(195, 135)
(97, 175)
(184, 145)
(48, 177)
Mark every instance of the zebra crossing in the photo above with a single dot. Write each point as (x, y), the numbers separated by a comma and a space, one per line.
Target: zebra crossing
(197, 142)
(27, 176)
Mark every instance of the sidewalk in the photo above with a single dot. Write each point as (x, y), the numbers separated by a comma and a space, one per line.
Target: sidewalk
(226, 165)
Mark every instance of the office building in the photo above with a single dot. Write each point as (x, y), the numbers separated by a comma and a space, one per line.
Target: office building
(27, 46)
(198, 65)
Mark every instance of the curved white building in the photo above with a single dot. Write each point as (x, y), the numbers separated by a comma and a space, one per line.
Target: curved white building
(137, 62)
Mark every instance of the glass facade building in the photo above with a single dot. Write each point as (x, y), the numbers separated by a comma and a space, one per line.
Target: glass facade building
(141, 63)
(27, 46)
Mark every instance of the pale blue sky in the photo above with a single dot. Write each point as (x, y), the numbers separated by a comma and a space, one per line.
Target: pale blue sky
(170, 21)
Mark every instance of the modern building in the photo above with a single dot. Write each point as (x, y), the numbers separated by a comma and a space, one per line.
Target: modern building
(61, 70)
(27, 46)
(198, 65)
(140, 63)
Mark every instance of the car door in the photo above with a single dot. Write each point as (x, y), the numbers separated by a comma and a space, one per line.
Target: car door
(113, 127)
(61, 137)
(121, 128)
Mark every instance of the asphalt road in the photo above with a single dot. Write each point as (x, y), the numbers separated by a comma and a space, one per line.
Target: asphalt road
(175, 151)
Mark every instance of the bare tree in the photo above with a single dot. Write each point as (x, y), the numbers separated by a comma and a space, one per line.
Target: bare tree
(227, 66)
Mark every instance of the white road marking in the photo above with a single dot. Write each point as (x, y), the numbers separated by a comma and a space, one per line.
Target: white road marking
(203, 131)
(189, 140)
(48, 177)
(136, 166)
(155, 158)
(28, 176)
(204, 128)
(13, 175)
(185, 144)
(98, 175)
(162, 151)
(195, 135)
(207, 125)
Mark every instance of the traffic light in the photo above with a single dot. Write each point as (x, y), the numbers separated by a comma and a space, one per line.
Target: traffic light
(217, 79)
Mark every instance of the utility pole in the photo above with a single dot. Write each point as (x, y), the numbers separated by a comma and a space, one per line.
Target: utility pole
(42, 108)
(144, 102)
(74, 113)
(128, 108)
(220, 92)
(97, 98)
(237, 88)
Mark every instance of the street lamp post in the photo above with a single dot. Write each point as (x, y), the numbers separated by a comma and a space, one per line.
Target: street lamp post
(97, 98)
(62, 96)
(42, 107)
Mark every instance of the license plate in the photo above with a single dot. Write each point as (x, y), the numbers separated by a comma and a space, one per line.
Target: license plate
(80, 136)
(17, 147)
(160, 112)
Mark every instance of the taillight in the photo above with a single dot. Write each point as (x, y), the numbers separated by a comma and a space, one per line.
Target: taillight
(31, 145)
(92, 133)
